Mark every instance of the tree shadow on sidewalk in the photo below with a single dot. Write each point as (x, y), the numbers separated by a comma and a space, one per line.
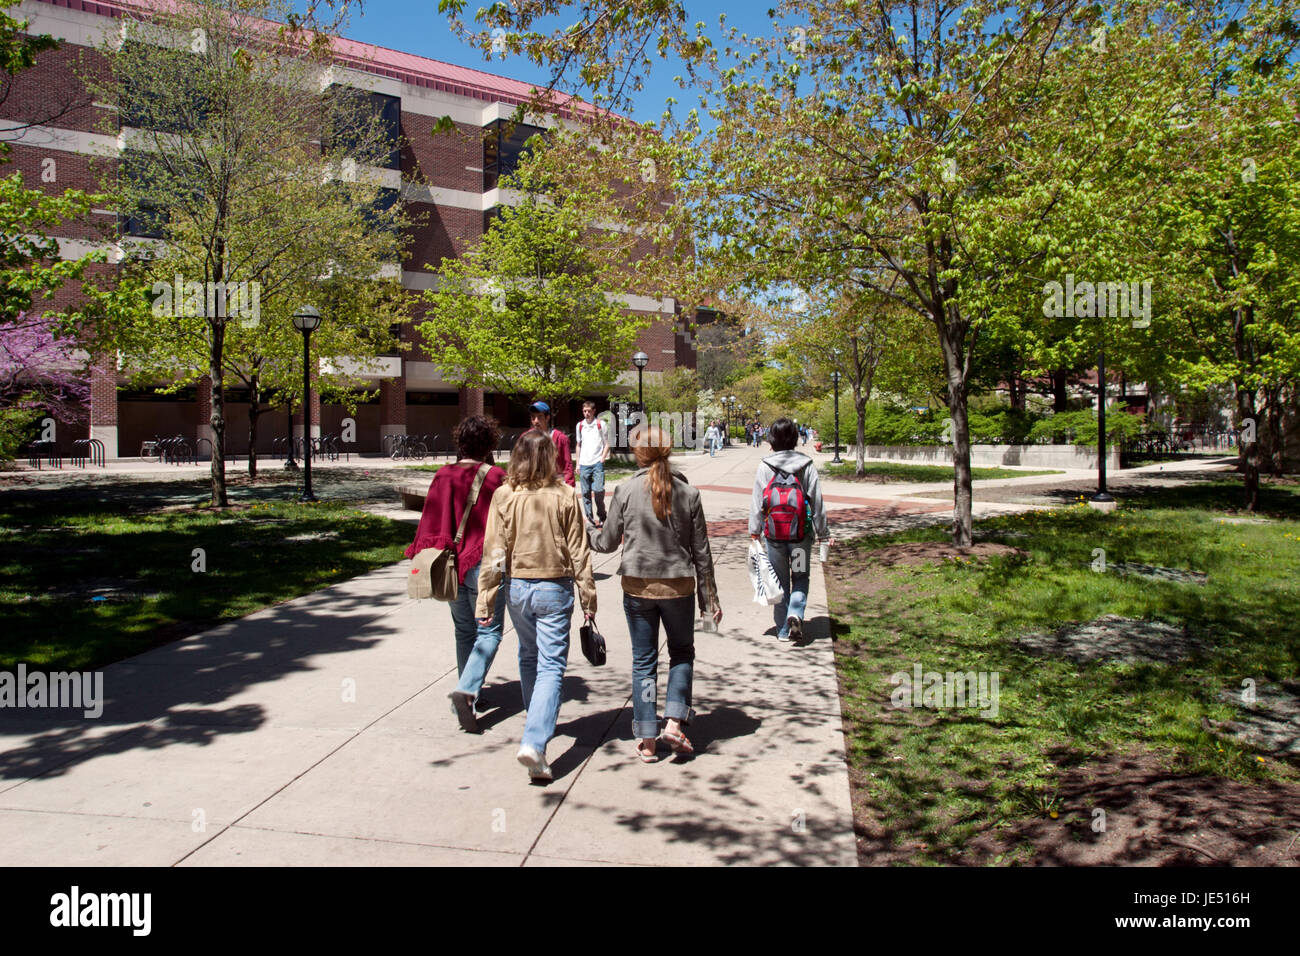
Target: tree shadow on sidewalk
(174, 694)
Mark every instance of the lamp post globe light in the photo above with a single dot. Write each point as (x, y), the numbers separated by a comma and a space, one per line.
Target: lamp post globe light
(306, 319)
(640, 360)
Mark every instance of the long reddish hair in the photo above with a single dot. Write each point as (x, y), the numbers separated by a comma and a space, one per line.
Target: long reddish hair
(532, 460)
(652, 446)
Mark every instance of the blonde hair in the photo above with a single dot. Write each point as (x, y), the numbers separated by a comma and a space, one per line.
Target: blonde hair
(652, 445)
(532, 461)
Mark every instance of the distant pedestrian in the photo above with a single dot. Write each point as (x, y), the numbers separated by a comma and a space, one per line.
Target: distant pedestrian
(593, 450)
(713, 438)
(786, 509)
(665, 566)
(536, 534)
(540, 417)
(444, 509)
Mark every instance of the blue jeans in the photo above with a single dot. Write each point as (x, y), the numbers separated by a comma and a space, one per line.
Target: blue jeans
(476, 646)
(714, 445)
(540, 610)
(591, 478)
(791, 560)
(643, 618)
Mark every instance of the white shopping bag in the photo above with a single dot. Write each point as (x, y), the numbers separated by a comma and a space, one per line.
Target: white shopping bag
(767, 588)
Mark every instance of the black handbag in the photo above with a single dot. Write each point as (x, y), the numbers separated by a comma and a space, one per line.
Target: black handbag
(593, 644)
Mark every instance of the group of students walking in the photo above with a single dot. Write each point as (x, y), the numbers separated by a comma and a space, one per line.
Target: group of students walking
(523, 541)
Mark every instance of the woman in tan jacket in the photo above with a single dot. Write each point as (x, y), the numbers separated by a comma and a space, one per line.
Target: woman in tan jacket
(535, 534)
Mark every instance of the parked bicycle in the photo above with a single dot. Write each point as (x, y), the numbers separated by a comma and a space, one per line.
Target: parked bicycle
(410, 446)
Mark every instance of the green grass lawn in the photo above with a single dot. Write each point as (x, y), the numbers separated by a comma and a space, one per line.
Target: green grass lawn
(884, 471)
(56, 560)
(941, 776)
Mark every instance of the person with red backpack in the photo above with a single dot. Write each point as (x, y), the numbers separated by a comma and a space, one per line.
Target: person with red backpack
(540, 417)
(787, 510)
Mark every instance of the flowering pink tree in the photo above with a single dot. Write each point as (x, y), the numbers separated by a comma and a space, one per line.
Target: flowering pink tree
(41, 371)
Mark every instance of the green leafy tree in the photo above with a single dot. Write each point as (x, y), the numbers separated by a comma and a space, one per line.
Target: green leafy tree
(30, 266)
(250, 172)
(1227, 232)
(872, 342)
(527, 310)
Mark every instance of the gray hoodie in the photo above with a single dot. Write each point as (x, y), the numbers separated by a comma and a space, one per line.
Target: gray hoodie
(802, 467)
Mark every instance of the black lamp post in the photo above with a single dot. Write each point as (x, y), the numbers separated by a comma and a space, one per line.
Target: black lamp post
(306, 320)
(837, 460)
(1101, 497)
(640, 360)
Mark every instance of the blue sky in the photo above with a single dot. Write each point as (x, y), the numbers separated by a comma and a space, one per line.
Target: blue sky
(419, 28)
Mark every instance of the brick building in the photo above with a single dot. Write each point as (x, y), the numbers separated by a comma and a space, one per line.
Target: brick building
(451, 178)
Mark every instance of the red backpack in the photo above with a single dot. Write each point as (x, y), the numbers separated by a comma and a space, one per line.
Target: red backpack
(785, 508)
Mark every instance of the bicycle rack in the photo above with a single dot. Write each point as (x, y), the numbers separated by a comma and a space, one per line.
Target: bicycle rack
(47, 449)
(88, 448)
(177, 449)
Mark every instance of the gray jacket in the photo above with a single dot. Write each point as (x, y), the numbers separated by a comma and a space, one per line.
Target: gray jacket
(802, 467)
(676, 548)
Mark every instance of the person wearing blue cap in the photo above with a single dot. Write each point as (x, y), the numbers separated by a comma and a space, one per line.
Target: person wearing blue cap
(540, 416)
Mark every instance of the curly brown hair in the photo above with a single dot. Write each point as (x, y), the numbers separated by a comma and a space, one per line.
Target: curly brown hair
(476, 437)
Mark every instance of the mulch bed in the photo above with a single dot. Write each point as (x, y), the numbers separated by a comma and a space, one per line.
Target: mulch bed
(1155, 818)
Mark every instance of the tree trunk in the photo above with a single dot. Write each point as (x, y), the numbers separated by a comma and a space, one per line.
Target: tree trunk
(860, 407)
(1273, 396)
(254, 410)
(962, 532)
(1060, 398)
(1248, 451)
(217, 417)
(955, 366)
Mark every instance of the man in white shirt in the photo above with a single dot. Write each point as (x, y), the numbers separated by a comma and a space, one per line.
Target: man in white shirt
(593, 449)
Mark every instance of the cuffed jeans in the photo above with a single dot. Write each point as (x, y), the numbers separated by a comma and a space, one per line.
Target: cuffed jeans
(791, 560)
(541, 610)
(591, 478)
(643, 618)
(476, 645)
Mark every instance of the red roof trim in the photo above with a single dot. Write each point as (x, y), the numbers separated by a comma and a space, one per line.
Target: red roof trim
(393, 64)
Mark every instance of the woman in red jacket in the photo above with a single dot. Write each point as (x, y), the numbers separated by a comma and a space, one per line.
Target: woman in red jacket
(476, 644)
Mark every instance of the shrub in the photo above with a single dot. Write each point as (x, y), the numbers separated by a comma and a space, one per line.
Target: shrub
(16, 429)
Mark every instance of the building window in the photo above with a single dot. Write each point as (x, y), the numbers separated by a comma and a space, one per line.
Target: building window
(376, 213)
(172, 100)
(358, 113)
(149, 218)
(503, 146)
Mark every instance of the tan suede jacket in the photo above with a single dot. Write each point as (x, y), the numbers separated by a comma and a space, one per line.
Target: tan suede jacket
(535, 533)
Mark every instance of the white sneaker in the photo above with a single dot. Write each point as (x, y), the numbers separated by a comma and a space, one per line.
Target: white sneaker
(538, 768)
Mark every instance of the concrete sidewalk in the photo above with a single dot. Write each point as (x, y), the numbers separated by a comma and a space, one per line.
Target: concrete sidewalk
(319, 732)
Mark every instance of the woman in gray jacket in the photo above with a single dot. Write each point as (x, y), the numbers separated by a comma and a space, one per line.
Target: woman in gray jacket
(666, 563)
